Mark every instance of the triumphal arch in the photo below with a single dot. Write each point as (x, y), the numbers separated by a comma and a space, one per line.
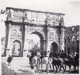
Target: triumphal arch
(21, 23)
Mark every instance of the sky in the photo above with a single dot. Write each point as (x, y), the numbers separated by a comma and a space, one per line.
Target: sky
(71, 9)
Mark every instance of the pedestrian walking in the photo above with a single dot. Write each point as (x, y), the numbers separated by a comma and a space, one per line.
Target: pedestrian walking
(9, 59)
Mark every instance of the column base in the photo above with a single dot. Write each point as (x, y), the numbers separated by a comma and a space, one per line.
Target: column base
(25, 52)
(8, 52)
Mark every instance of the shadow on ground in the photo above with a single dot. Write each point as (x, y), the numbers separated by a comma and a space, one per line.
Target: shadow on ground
(7, 71)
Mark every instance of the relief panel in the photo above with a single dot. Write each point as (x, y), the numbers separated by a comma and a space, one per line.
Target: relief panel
(37, 18)
(15, 33)
(17, 16)
(52, 20)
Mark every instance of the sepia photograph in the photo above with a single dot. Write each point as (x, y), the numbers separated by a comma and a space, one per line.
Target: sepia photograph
(39, 37)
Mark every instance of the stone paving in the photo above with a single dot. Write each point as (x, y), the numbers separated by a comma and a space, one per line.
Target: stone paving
(20, 66)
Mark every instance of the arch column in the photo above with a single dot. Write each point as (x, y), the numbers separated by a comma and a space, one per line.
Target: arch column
(23, 40)
(7, 42)
(44, 45)
(23, 37)
(46, 35)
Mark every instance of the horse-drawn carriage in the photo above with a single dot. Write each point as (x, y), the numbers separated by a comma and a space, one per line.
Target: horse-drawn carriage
(59, 60)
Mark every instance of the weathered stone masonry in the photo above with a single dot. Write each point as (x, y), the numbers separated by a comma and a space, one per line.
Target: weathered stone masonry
(20, 23)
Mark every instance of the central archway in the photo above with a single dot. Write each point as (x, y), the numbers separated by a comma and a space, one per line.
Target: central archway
(41, 41)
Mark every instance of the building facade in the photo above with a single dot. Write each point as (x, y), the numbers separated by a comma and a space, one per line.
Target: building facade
(72, 39)
(21, 23)
(2, 46)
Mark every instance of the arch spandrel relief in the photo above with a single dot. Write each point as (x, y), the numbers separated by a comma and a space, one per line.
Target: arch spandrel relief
(36, 18)
(17, 16)
(53, 20)
(15, 33)
(51, 36)
(30, 29)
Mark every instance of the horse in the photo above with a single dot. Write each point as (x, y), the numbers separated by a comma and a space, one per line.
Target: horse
(36, 62)
(31, 55)
(57, 62)
(67, 60)
(76, 61)
(70, 60)
(46, 60)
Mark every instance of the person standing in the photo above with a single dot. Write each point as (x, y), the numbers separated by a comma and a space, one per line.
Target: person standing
(9, 59)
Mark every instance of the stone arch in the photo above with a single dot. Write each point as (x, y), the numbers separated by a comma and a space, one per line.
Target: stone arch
(54, 47)
(41, 39)
(16, 50)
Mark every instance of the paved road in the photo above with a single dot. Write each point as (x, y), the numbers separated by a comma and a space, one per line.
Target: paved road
(21, 65)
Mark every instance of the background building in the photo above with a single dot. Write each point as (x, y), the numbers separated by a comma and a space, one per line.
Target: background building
(72, 39)
(2, 46)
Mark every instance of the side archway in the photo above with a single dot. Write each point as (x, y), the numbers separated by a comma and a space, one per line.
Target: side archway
(54, 47)
(16, 50)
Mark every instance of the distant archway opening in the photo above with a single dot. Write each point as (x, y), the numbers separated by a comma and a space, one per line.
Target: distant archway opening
(54, 47)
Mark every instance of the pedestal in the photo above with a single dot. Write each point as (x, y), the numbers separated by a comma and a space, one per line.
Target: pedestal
(25, 52)
(8, 52)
